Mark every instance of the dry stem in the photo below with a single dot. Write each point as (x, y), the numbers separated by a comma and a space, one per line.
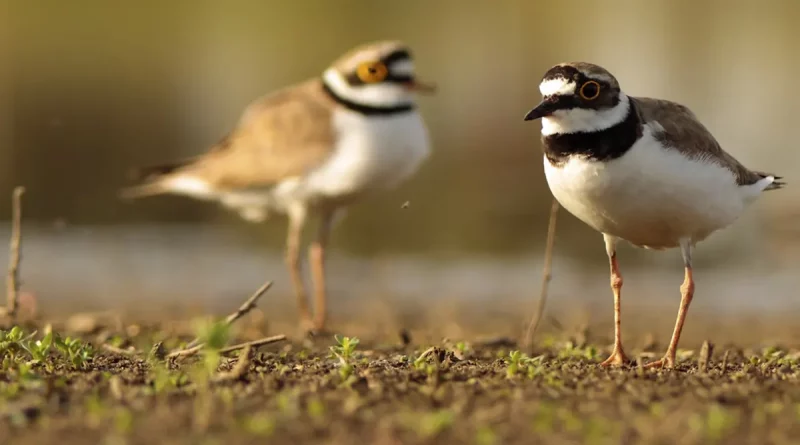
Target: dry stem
(12, 280)
(239, 370)
(253, 344)
(115, 350)
(246, 307)
(546, 275)
(194, 346)
(704, 360)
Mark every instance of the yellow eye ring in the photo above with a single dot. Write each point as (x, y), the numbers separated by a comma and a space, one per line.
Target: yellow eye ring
(591, 83)
(372, 72)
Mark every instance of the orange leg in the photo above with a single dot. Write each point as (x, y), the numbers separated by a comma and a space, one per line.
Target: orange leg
(317, 258)
(687, 293)
(293, 238)
(618, 357)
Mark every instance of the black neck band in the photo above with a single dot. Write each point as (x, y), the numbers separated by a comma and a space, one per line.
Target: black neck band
(602, 145)
(368, 110)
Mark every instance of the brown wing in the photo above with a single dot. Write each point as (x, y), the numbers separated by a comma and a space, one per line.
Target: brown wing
(684, 132)
(281, 135)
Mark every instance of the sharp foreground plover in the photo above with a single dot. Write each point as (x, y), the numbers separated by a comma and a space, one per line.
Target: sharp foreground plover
(638, 169)
(311, 148)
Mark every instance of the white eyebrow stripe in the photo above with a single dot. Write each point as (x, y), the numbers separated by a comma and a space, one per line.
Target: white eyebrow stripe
(558, 86)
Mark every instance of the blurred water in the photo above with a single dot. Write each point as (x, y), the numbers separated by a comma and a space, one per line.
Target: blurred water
(123, 266)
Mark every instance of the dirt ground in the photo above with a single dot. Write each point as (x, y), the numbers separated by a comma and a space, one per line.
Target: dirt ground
(395, 386)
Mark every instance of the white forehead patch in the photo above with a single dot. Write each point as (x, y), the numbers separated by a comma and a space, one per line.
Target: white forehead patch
(402, 68)
(559, 86)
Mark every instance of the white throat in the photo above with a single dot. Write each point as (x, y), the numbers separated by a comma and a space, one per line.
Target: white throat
(580, 120)
(377, 95)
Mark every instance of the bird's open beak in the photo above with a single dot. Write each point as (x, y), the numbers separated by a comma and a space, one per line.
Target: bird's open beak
(420, 87)
(544, 109)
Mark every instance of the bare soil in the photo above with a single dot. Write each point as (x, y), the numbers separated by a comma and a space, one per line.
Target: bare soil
(398, 391)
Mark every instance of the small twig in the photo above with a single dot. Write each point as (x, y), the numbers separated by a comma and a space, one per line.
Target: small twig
(186, 352)
(239, 370)
(704, 360)
(12, 281)
(724, 366)
(546, 275)
(115, 350)
(254, 344)
(250, 304)
(246, 307)
(426, 353)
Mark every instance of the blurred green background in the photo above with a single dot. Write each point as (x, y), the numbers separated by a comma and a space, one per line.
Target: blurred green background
(93, 88)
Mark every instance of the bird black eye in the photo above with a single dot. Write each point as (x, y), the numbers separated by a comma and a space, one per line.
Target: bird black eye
(590, 90)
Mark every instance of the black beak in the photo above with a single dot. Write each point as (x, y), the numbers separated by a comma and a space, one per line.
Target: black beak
(544, 109)
(422, 87)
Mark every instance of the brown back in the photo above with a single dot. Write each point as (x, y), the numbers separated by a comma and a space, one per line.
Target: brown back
(281, 135)
(684, 132)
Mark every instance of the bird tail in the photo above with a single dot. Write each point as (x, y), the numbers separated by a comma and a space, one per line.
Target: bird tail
(776, 183)
(151, 180)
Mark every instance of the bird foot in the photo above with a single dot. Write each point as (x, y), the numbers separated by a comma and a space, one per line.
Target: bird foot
(666, 362)
(617, 358)
(306, 325)
(311, 329)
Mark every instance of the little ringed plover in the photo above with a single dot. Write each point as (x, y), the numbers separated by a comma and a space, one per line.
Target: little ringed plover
(311, 148)
(638, 169)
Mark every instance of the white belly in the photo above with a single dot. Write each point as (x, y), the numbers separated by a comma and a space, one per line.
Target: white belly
(371, 153)
(650, 196)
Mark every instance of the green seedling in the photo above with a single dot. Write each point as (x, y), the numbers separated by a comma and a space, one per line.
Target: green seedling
(433, 424)
(25, 372)
(462, 350)
(165, 380)
(15, 346)
(95, 410)
(74, 350)
(315, 409)
(11, 343)
(7, 338)
(520, 363)
(39, 349)
(343, 350)
(215, 336)
(573, 351)
(485, 436)
(262, 425)
(514, 358)
(717, 423)
(345, 347)
(123, 421)
(422, 363)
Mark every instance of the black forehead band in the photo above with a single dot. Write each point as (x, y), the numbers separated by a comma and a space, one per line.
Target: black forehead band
(572, 74)
(353, 79)
(401, 54)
